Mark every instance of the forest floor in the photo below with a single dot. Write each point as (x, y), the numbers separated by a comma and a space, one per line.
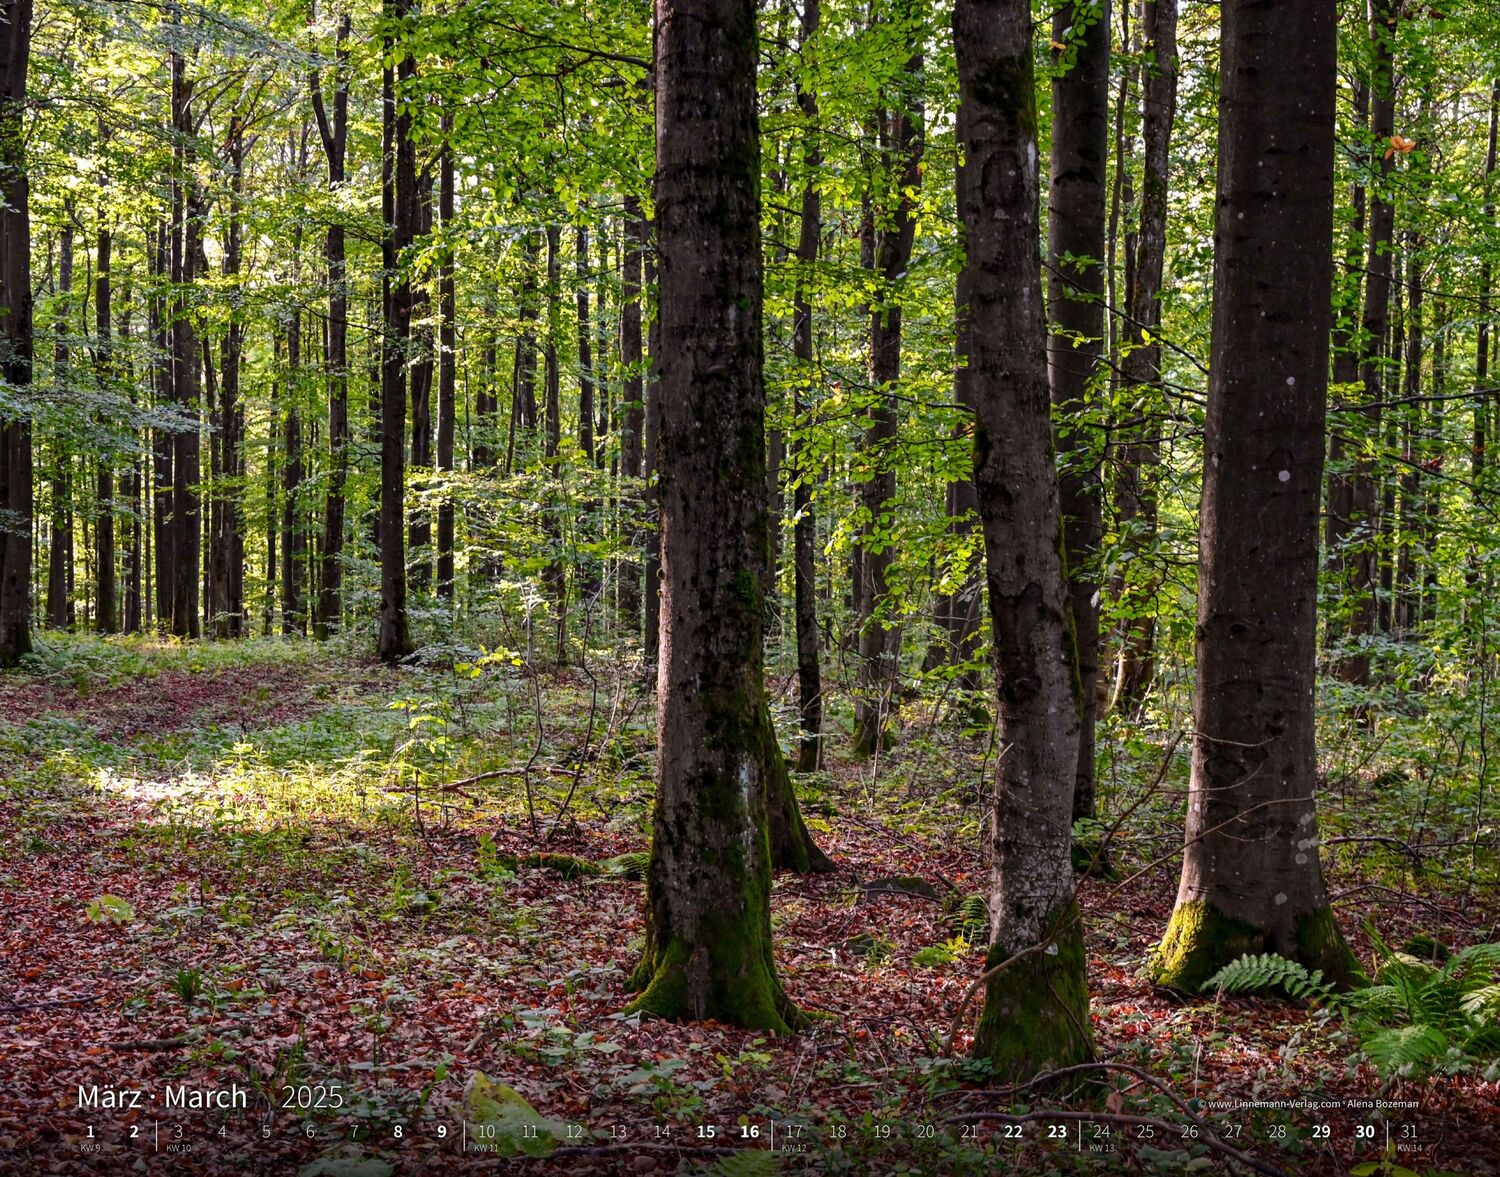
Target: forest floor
(246, 871)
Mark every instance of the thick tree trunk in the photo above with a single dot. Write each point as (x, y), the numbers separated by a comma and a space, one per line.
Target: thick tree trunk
(1251, 879)
(804, 521)
(1075, 347)
(334, 133)
(708, 942)
(399, 203)
(1141, 365)
(902, 141)
(16, 341)
(1036, 1008)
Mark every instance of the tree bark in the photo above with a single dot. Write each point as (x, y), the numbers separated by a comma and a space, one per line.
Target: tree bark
(447, 368)
(804, 520)
(334, 134)
(399, 203)
(633, 406)
(106, 607)
(185, 238)
(1364, 490)
(1141, 364)
(60, 612)
(1075, 346)
(16, 341)
(708, 940)
(1036, 1010)
(1251, 879)
(902, 140)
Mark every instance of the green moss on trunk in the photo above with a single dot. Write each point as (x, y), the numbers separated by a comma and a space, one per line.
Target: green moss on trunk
(1036, 1012)
(1320, 945)
(1200, 940)
(728, 979)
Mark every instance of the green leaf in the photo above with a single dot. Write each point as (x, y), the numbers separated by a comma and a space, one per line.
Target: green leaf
(346, 1167)
(109, 909)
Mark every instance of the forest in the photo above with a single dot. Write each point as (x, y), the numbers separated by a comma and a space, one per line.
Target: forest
(723, 588)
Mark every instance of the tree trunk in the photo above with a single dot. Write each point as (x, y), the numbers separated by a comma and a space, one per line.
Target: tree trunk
(1141, 364)
(60, 557)
(1482, 390)
(633, 406)
(902, 141)
(708, 939)
(163, 530)
(334, 133)
(293, 533)
(1251, 879)
(15, 335)
(804, 521)
(1075, 347)
(399, 203)
(106, 609)
(1364, 491)
(1036, 1009)
(186, 228)
(420, 371)
(447, 369)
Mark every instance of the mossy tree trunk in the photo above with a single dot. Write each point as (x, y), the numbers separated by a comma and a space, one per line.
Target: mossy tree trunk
(1036, 1009)
(708, 942)
(1251, 880)
(1075, 348)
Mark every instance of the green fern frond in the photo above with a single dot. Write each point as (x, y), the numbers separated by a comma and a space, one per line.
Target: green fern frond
(1412, 1047)
(750, 1162)
(1270, 973)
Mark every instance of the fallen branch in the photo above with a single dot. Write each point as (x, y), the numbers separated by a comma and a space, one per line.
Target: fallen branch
(151, 1043)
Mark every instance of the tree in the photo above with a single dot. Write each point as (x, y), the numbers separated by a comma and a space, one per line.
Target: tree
(708, 932)
(1036, 1006)
(1141, 363)
(892, 234)
(333, 132)
(398, 201)
(15, 335)
(1251, 879)
(804, 521)
(1075, 267)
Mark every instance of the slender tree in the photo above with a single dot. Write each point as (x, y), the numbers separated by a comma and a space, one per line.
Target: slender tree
(902, 140)
(333, 132)
(1251, 879)
(1036, 1005)
(1075, 345)
(1135, 504)
(447, 365)
(398, 201)
(804, 521)
(15, 334)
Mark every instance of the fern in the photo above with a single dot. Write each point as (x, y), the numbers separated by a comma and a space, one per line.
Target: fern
(1409, 1048)
(973, 918)
(749, 1162)
(1270, 973)
(628, 866)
